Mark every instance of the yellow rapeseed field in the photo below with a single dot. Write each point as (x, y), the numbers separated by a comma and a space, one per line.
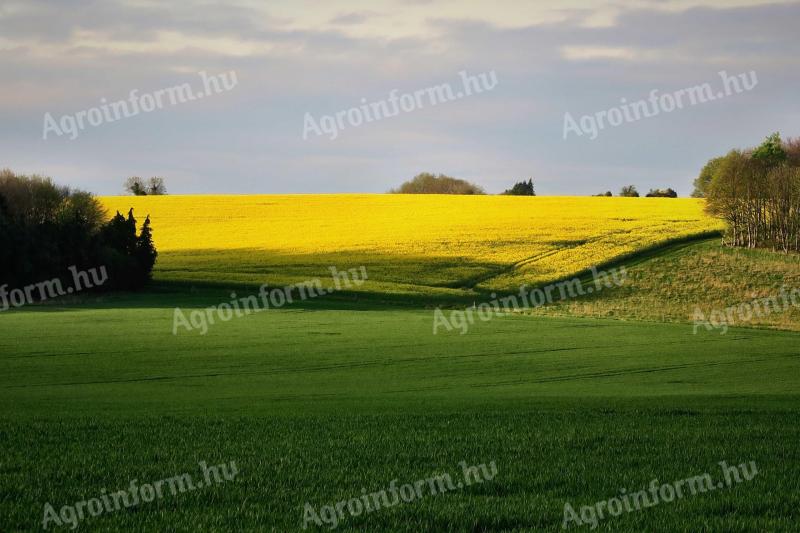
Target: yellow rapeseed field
(410, 243)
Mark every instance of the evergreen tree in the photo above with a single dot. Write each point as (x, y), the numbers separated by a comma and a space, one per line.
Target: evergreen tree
(522, 188)
(146, 251)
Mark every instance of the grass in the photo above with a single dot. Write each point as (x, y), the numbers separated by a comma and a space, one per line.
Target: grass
(669, 284)
(316, 403)
(546, 455)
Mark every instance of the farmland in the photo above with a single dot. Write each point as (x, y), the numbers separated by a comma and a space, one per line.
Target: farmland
(318, 402)
(411, 244)
(323, 399)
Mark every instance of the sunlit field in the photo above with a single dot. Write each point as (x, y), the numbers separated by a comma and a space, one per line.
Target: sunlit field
(409, 243)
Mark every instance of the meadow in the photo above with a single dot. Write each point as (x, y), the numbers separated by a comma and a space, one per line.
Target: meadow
(321, 400)
(670, 284)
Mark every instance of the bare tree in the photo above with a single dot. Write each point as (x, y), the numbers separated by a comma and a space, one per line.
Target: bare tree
(156, 186)
(135, 185)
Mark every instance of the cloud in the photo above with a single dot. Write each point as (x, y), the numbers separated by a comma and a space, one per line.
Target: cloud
(352, 18)
(291, 60)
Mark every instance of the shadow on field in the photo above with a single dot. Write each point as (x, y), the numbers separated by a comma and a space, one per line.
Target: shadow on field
(386, 287)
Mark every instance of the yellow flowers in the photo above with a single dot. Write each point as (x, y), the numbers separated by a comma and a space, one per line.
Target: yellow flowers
(409, 242)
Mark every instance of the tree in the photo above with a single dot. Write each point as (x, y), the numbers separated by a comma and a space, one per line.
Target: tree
(757, 193)
(45, 229)
(661, 193)
(128, 258)
(629, 191)
(792, 148)
(427, 183)
(136, 186)
(770, 153)
(522, 188)
(145, 252)
(702, 182)
(156, 186)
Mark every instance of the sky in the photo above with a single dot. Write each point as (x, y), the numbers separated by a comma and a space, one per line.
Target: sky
(292, 66)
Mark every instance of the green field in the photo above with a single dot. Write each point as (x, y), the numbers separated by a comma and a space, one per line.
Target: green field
(316, 403)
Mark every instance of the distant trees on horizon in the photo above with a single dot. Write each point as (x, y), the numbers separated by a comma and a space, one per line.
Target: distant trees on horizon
(155, 186)
(427, 183)
(522, 188)
(661, 193)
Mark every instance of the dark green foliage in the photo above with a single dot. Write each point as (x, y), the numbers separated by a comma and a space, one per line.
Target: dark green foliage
(522, 188)
(46, 229)
(145, 252)
(770, 153)
(629, 191)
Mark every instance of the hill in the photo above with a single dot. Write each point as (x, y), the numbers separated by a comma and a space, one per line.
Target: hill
(323, 400)
(670, 284)
(411, 244)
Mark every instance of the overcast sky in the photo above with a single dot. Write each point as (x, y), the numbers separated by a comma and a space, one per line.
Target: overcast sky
(298, 59)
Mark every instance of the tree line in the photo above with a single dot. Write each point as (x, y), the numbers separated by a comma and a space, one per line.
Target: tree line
(427, 183)
(756, 192)
(45, 229)
(629, 191)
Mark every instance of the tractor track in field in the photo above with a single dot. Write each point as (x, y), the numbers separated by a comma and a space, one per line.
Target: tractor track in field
(470, 283)
(670, 245)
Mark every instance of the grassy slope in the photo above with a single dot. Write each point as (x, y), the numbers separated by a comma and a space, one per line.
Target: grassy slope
(670, 284)
(315, 404)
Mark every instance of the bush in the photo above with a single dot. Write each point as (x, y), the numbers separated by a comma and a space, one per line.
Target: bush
(629, 191)
(427, 183)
